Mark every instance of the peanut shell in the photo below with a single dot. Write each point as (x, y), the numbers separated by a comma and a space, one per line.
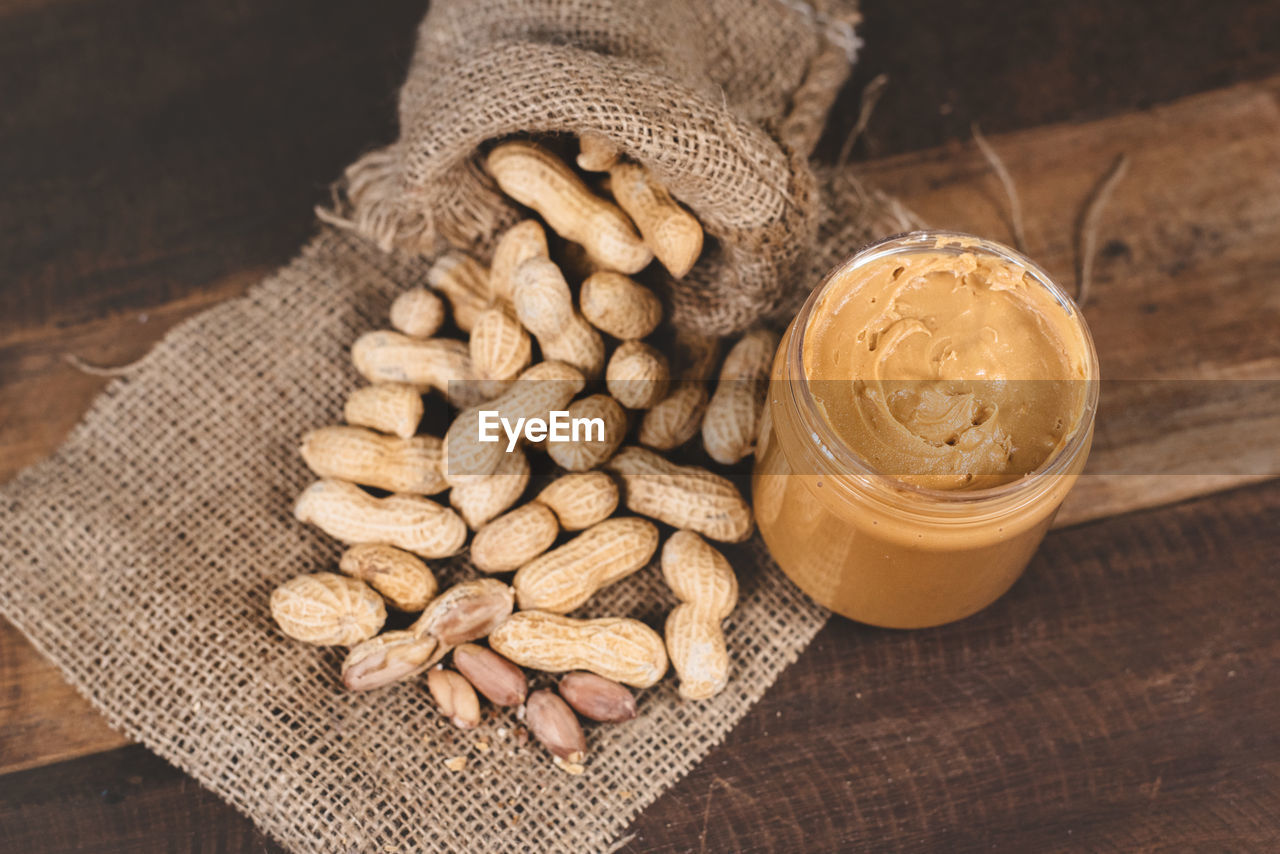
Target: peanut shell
(403, 580)
(347, 513)
(563, 579)
(616, 648)
(581, 499)
(466, 611)
(390, 657)
(394, 408)
(587, 453)
(327, 609)
(359, 455)
(417, 313)
(515, 538)
(682, 496)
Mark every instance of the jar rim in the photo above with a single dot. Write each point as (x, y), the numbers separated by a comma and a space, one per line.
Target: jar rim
(847, 462)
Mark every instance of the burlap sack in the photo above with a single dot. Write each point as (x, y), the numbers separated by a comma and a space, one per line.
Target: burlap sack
(140, 558)
(722, 99)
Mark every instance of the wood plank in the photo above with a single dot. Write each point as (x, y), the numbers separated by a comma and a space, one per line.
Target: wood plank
(153, 149)
(1181, 310)
(162, 147)
(1121, 697)
(1015, 64)
(1164, 266)
(35, 361)
(162, 153)
(42, 717)
(123, 800)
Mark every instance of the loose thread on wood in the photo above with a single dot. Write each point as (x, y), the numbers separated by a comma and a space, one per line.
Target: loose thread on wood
(330, 217)
(1010, 188)
(906, 218)
(100, 370)
(870, 97)
(621, 843)
(1088, 225)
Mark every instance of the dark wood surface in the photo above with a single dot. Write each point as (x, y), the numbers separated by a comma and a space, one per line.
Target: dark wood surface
(157, 159)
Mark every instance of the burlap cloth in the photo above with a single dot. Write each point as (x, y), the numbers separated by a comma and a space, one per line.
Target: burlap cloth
(723, 100)
(141, 556)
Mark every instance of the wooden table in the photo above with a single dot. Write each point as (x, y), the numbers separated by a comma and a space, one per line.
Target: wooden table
(160, 158)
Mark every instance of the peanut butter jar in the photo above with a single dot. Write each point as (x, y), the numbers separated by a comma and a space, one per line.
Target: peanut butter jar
(929, 409)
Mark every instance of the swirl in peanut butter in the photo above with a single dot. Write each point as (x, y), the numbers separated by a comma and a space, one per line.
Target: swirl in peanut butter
(946, 368)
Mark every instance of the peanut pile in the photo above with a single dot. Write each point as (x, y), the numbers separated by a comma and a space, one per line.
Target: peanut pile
(591, 358)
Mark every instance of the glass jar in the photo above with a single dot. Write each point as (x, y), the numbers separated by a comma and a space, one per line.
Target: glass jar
(871, 546)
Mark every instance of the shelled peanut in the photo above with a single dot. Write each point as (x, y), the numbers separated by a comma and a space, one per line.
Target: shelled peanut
(455, 697)
(596, 697)
(500, 681)
(554, 724)
(388, 658)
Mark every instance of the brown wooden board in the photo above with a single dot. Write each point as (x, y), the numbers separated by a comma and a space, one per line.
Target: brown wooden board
(160, 158)
(123, 800)
(1174, 282)
(1120, 698)
(151, 148)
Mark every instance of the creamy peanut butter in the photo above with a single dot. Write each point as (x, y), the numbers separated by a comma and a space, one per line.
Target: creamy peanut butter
(928, 411)
(949, 370)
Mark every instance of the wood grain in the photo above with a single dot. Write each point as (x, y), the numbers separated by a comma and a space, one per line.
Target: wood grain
(42, 717)
(158, 158)
(152, 148)
(37, 360)
(1184, 326)
(1011, 64)
(1235, 133)
(1120, 698)
(124, 800)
